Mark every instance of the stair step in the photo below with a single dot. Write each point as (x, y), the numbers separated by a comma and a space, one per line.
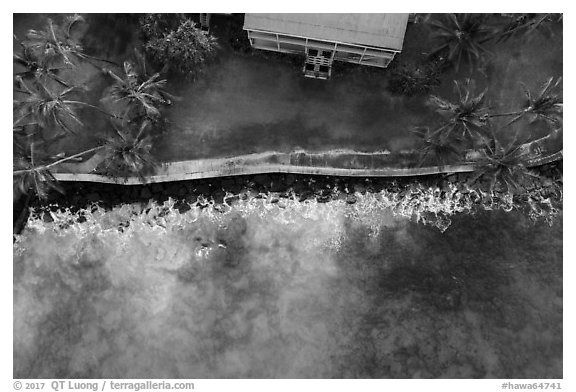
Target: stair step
(205, 22)
(319, 60)
(313, 65)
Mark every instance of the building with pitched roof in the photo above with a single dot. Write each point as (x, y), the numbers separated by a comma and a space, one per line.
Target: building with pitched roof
(366, 39)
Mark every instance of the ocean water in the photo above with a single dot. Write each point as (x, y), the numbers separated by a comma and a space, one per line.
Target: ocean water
(284, 289)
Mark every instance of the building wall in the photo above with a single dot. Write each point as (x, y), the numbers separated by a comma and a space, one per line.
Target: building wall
(372, 56)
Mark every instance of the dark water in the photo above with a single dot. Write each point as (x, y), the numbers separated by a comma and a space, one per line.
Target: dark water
(249, 104)
(287, 290)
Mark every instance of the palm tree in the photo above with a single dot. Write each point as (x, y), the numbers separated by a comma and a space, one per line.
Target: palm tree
(141, 95)
(29, 172)
(460, 36)
(32, 167)
(526, 24)
(126, 153)
(546, 104)
(504, 166)
(38, 70)
(467, 118)
(436, 144)
(48, 108)
(55, 44)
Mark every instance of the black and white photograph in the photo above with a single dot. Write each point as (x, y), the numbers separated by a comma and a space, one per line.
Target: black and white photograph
(252, 196)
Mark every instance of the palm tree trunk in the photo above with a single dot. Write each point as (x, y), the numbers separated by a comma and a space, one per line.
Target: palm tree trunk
(18, 225)
(506, 114)
(93, 107)
(57, 162)
(518, 117)
(528, 25)
(99, 59)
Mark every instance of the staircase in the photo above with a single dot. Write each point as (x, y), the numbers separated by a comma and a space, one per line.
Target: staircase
(205, 22)
(318, 67)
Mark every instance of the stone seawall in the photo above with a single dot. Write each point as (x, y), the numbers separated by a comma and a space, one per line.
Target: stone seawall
(332, 163)
(431, 199)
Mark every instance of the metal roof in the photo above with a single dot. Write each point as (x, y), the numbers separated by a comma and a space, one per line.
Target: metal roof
(381, 30)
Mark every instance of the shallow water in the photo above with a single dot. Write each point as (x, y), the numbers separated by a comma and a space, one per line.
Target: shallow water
(286, 290)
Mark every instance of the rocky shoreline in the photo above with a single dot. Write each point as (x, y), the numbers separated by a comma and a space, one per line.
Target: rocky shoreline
(541, 198)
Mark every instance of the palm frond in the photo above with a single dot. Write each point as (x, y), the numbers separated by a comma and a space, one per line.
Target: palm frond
(547, 104)
(46, 107)
(143, 95)
(70, 21)
(525, 25)
(127, 153)
(503, 166)
(468, 117)
(438, 145)
(53, 45)
(459, 37)
(29, 157)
